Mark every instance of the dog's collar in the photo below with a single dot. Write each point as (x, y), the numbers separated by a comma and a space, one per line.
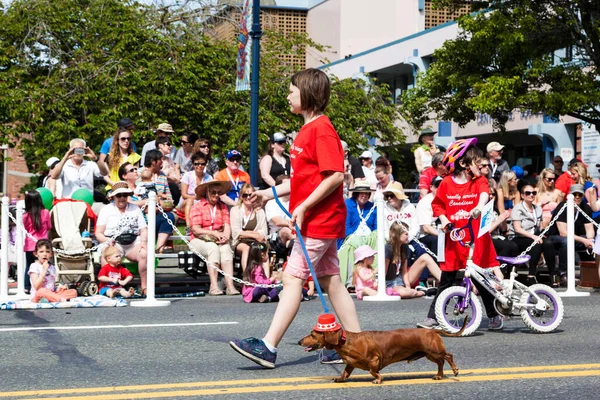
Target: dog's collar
(343, 338)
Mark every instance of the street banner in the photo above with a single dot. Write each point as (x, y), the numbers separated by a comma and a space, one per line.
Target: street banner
(242, 81)
(590, 148)
(486, 219)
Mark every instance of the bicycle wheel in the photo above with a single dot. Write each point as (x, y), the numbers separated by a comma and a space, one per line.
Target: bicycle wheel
(451, 318)
(542, 321)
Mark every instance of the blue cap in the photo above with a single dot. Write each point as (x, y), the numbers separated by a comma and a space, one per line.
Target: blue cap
(233, 153)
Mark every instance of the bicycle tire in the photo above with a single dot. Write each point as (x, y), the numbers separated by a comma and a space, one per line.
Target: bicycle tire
(546, 321)
(445, 311)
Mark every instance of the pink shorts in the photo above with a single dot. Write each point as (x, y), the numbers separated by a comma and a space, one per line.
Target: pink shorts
(322, 254)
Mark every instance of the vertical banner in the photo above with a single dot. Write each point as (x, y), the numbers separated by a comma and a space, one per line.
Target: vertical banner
(590, 148)
(242, 81)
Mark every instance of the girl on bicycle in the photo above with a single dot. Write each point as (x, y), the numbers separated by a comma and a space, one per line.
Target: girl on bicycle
(461, 195)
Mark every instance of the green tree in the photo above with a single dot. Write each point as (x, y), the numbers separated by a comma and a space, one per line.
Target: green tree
(71, 68)
(539, 55)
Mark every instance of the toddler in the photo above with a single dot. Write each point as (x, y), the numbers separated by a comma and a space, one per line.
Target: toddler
(113, 276)
(42, 275)
(145, 185)
(364, 277)
(258, 263)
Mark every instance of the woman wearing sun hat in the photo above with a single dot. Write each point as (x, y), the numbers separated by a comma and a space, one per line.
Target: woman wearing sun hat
(122, 224)
(211, 233)
(426, 149)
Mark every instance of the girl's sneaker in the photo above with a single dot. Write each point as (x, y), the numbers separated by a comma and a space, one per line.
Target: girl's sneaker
(255, 350)
(496, 323)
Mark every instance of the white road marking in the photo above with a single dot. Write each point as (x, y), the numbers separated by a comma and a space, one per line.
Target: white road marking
(69, 328)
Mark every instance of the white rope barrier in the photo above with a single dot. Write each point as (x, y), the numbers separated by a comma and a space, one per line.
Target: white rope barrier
(150, 300)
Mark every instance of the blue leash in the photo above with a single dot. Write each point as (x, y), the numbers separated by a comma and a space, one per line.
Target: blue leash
(310, 266)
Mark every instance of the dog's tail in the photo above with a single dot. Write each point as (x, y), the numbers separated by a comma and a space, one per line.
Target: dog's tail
(459, 333)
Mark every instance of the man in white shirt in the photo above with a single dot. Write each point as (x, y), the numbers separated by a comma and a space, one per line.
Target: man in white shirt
(163, 130)
(76, 173)
(425, 219)
(368, 167)
(280, 233)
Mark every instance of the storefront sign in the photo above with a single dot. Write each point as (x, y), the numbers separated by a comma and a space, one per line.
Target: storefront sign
(590, 148)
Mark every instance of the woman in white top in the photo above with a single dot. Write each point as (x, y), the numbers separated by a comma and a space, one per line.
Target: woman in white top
(527, 219)
(247, 224)
(426, 149)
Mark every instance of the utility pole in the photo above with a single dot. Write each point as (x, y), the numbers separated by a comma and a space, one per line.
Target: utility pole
(256, 34)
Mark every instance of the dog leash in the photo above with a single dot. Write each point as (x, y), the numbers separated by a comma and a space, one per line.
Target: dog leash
(302, 244)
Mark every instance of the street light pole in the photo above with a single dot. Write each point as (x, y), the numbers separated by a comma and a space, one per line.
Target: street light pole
(256, 34)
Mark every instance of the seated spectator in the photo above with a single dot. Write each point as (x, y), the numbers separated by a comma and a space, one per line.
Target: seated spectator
(428, 174)
(163, 130)
(401, 278)
(426, 150)
(113, 276)
(368, 168)
(398, 208)
(76, 173)
(428, 233)
(120, 152)
(123, 123)
(548, 196)
(122, 224)
(383, 174)
(55, 186)
(497, 165)
(361, 219)
(43, 275)
(183, 158)
(259, 272)
(576, 174)
(189, 182)
(233, 174)
(203, 145)
(275, 162)
(364, 278)
(557, 165)
(154, 163)
(280, 233)
(211, 233)
(129, 174)
(170, 169)
(508, 195)
(355, 165)
(584, 231)
(527, 220)
(248, 224)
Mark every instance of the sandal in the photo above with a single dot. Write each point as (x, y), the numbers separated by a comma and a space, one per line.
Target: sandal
(165, 250)
(215, 292)
(232, 292)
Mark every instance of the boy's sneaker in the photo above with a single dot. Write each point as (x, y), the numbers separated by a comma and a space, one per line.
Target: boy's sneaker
(429, 323)
(255, 350)
(496, 323)
(331, 357)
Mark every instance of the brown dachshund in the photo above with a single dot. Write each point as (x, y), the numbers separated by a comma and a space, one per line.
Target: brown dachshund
(375, 350)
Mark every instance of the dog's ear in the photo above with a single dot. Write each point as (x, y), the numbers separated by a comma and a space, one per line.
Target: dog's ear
(332, 338)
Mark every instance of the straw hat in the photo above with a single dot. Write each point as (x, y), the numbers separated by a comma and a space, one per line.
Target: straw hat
(120, 187)
(361, 187)
(222, 186)
(327, 323)
(396, 188)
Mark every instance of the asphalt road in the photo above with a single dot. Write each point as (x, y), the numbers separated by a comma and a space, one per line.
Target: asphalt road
(182, 351)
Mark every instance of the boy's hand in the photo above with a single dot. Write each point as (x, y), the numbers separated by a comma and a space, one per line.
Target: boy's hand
(297, 217)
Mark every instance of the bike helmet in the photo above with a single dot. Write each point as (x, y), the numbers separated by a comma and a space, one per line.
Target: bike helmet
(455, 151)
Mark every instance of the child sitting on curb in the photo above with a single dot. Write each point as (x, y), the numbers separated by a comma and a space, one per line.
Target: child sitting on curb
(113, 276)
(42, 275)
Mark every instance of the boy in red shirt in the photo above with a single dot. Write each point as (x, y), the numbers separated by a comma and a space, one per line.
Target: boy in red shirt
(317, 207)
(113, 276)
(463, 194)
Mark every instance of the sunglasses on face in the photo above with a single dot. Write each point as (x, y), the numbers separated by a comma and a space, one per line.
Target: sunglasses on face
(235, 160)
(578, 195)
(203, 146)
(131, 170)
(550, 179)
(125, 139)
(528, 193)
(484, 165)
(388, 196)
(558, 162)
(168, 144)
(199, 164)
(280, 142)
(184, 142)
(121, 195)
(245, 195)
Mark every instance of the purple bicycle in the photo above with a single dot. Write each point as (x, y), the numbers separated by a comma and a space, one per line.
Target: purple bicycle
(539, 306)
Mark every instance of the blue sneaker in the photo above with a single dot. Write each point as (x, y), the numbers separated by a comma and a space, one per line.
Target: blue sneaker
(255, 350)
(331, 357)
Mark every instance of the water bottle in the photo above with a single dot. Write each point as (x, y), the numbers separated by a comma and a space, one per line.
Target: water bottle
(85, 234)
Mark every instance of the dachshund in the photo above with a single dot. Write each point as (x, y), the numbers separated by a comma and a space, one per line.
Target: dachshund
(374, 350)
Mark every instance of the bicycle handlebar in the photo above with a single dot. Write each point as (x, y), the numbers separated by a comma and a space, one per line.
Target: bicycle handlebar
(457, 235)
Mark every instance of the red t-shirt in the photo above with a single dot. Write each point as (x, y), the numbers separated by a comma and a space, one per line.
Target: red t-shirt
(317, 149)
(427, 176)
(112, 272)
(564, 182)
(456, 201)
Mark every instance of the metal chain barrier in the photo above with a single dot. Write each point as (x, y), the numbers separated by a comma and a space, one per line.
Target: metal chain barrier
(225, 274)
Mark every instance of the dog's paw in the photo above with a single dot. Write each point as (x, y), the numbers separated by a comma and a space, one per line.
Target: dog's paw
(437, 378)
(339, 380)
(377, 381)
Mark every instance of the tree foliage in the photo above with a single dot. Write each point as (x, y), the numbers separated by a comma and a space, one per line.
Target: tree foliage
(540, 55)
(71, 68)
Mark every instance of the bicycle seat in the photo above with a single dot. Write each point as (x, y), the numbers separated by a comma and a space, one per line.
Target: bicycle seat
(514, 260)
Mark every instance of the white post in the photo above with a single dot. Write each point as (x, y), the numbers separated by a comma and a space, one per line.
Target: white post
(4, 243)
(571, 292)
(150, 300)
(20, 253)
(381, 295)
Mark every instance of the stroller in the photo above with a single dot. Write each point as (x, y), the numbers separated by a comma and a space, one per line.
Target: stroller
(75, 267)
